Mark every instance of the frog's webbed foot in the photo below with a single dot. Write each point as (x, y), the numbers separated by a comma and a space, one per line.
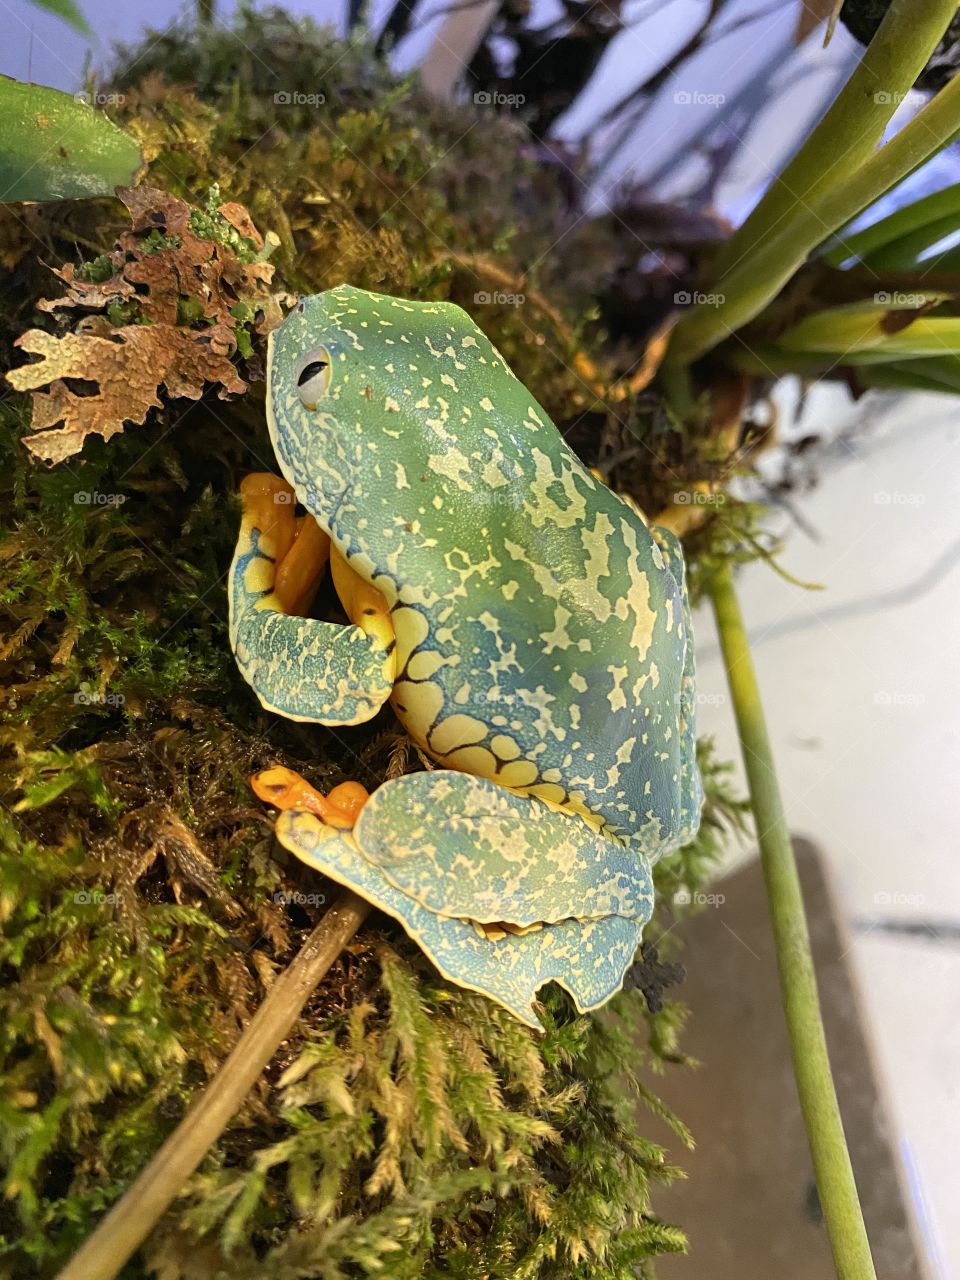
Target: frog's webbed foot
(299, 667)
(493, 857)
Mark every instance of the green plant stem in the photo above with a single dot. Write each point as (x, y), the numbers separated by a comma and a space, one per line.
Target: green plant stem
(677, 387)
(852, 126)
(759, 278)
(137, 1212)
(798, 983)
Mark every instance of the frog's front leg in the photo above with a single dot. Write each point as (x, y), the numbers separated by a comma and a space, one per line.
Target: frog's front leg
(299, 667)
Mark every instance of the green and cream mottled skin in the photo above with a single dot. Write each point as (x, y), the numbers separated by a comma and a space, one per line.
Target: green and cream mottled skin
(544, 652)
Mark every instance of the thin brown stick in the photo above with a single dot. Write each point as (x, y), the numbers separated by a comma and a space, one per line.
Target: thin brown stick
(137, 1212)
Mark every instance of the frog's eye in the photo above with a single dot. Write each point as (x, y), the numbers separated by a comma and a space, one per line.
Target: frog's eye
(313, 380)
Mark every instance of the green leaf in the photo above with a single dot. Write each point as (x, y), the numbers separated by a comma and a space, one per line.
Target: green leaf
(902, 222)
(68, 10)
(54, 146)
(873, 332)
(937, 373)
(904, 253)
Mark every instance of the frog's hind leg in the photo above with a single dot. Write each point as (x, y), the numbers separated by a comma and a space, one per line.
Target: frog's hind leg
(587, 957)
(349, 837)
(465, 847)
(299, 667)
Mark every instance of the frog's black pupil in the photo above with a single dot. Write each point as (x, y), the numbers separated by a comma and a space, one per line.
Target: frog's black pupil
(311, 370)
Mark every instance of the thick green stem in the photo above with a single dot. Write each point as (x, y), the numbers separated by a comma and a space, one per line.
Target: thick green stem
(798, 983)
(759, 278)
(141, 1207)
(678, 390)
(853, 125)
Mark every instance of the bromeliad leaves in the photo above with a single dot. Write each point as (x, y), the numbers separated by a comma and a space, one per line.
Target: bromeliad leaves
(167, 311)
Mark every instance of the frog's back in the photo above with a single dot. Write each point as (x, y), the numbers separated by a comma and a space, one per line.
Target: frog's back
(557, 670)
(541, 636)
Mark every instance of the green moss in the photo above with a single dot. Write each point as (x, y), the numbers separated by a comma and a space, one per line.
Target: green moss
(100, 269)
(209, 224)
(406, 1128)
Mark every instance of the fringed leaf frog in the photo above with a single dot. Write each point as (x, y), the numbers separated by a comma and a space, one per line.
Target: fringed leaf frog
(528, 629)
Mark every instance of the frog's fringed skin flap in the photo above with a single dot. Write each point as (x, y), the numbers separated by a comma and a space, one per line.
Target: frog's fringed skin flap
(588, 958)
(463, 846)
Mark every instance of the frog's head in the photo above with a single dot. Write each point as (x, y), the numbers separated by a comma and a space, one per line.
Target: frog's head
(355, 377)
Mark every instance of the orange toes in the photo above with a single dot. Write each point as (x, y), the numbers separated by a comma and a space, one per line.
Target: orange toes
(349, 798)
(285, 789)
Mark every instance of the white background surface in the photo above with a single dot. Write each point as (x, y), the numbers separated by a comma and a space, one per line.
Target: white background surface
(861, 685)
